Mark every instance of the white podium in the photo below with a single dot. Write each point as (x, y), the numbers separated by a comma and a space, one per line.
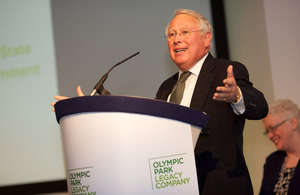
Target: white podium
(116, 145)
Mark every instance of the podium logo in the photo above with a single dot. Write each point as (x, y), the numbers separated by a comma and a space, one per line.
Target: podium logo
(168, 171)
(79, 181)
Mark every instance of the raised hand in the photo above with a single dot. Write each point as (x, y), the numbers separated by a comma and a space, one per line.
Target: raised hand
(230, 91)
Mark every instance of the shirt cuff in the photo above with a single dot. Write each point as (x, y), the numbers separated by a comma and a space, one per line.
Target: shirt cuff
(239, 107)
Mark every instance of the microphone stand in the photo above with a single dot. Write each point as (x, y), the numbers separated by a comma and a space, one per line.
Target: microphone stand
(99, 86)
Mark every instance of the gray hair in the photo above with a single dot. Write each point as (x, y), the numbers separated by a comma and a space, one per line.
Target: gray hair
(285, 108)
(204, 25)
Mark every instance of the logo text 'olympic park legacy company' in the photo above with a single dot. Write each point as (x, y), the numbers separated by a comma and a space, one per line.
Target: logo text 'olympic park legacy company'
(168, 171)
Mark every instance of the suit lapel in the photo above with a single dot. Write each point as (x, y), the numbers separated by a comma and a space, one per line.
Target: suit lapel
(203, 84)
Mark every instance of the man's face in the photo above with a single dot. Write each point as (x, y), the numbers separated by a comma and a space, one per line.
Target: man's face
(187, 50)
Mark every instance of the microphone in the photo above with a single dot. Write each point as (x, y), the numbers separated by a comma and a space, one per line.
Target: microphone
(99, 86)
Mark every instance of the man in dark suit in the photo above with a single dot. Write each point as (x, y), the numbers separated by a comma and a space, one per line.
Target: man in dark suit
(220, 88)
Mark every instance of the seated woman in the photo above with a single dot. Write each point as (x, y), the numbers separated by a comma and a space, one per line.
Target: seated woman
(282, 168)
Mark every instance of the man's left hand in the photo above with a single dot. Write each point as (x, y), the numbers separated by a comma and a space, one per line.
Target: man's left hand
(230, 90)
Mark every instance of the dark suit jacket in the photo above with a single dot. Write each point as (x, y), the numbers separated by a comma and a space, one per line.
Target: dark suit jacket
(220, 162)
(271, 172)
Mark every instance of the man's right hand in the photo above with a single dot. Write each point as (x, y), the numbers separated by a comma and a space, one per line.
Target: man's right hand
(58, 97)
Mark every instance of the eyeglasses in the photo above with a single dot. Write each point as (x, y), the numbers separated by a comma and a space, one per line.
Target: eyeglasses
(272, 129)
(183, 33)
